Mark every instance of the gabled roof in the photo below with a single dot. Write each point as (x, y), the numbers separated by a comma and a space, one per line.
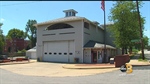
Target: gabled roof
(32, 49)
(91, 43)
(65, 19)
(95, 44)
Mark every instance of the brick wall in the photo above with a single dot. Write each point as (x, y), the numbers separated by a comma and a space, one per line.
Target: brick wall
(15, 45)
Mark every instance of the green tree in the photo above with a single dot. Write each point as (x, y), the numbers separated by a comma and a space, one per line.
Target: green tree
(145, 41)
(16, 33)
(1, 39)
(31, 32)
(1, 43)
(125, 28)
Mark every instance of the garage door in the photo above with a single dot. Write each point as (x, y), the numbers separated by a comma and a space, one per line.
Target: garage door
(59, 51)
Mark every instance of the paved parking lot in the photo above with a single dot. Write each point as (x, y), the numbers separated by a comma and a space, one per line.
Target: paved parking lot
(53, 73)
(51, 70)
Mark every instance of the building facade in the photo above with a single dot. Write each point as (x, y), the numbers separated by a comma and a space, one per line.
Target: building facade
(72, 37)
(15, 44)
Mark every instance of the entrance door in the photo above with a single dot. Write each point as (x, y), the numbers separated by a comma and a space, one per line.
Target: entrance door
(99, 56)
(94, 57)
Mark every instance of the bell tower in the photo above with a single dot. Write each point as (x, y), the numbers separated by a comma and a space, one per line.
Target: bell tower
(70, 12)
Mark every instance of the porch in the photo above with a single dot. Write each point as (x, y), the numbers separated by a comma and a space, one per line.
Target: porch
(94, 53)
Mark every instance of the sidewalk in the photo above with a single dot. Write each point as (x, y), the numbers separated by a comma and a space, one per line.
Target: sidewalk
(102, 66)
(135, 62)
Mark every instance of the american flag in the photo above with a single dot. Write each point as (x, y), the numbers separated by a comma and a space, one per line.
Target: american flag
(103, 5)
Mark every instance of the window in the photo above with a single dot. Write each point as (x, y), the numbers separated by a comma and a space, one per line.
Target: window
(55, 53)
(86, 25)
(99, 55)
(60, 53)
(50, 53)
(59, 26)
(73, 14)
(68, 33)
(48, 34)
(45, 53)
(65, 53)
(69, 13)
(70, 53)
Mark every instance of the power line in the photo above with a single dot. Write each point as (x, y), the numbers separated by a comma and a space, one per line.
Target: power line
(19, 3)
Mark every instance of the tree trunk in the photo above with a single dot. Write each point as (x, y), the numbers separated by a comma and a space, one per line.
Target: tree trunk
(126, 51)
(122, 50)
(130, 50)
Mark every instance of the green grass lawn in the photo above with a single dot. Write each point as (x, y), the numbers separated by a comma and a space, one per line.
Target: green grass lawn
(140, 59)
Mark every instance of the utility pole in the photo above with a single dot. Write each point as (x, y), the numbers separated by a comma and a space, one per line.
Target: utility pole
(141, 35)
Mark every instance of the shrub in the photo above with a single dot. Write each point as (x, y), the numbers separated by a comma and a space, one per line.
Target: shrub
(135, 51)
(19, 51)
(22, 51)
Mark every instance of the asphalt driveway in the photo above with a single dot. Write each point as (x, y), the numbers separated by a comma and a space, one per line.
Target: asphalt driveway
(51, 70)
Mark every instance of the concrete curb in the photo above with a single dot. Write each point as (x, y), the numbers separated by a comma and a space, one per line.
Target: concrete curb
(97, 67)
(12, 63)
(88, 67)
(140, 64)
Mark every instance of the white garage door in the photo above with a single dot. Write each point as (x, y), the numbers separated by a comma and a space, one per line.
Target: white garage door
(59, 51)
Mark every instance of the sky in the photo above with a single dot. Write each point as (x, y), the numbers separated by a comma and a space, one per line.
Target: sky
(15, 14)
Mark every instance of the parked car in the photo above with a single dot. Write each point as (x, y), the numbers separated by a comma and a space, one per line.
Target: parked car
(1, 58)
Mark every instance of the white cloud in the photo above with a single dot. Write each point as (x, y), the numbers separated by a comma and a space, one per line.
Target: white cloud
(2, 20)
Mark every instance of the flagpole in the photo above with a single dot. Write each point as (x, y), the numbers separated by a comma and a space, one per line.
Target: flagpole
(104, 35)
(103, 8)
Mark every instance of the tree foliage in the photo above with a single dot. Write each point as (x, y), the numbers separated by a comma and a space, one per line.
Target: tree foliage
(31, 32)
(1, 39)
(16, 33)
(145, 41)
(1, 43)
(126, 26)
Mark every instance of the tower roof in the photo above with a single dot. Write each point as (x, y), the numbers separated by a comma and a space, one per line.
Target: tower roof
(70, 10)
